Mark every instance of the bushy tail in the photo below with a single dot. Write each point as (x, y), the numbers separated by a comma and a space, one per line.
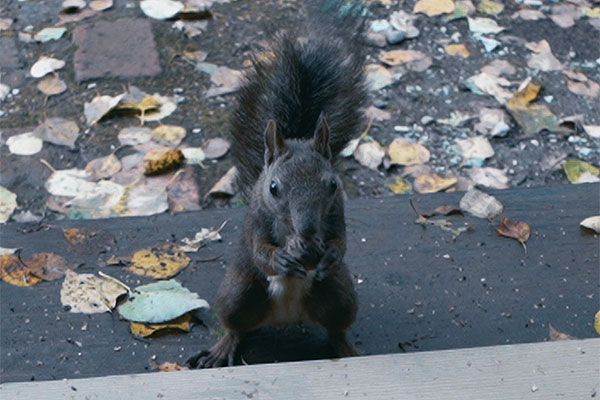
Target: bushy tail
(316, 67)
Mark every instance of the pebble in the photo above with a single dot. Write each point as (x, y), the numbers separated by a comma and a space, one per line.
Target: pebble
(92, 85)
(376, 39)
(380, 104)
(400, 128)
(548, 99)
(395, 37)
(196, 130)
(534, 142)
(15, 92)
(380, 25)
(584, 151)
(427, 119)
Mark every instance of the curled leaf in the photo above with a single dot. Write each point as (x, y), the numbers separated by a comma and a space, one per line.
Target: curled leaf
(514, 229)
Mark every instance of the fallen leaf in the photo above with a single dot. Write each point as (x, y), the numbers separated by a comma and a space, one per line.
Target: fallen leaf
(485, 83)
(226, 185)
(480, 204)
(72, 6)
(134, 136)
(4, 91)
(15, 272)
(580, 171)
(103, 167)
(376, 114)
(8, 203)
(225, 80)
(45, 65)
(99, 107)
(514, 229)
(457, 50)
(529, 14)
(195, 56)
(143, 199)
(556, 335)
(489, 7)
(168, 366)
(159, 262)
(5, 24)
(456, 118)
(543, 59)
(431, 183)
(433, 7)
(592, 223)
(201, 238)
(160, 161)
(492, 122)
(144, 330)
(441, 223)
(159, 302)
(68, 182)
(585, 87)
(47, 266)
(377, 76)
(489, 177)
(89, 294)
(499, 67)
(52, 85)
(5, 251)
(597, 322)
(58, 131)
(442, 210)
(170, 135)
(484, 26)
(147, 107)
(183, 192)
(193, 155)
(101, 5)
(98, 202)
(533, 118)
(462, 9)
(25, 144)
(477, 147)
(404, 22)
(75, 17)
(161, 9)
(564, 15)
(89, 241)
(47, 34)
(399, 185)
(215, 148)
(369, 154)
(404, 152)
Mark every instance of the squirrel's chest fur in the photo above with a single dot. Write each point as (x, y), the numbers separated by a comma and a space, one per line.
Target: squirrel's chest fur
(287, 298)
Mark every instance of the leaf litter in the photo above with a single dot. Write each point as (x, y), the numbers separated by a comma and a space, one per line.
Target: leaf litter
(89, 294)
(442, 223)
(160, 262)
(514, 229)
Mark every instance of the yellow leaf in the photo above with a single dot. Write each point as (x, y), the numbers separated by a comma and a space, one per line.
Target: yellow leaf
(399, 185)
(431, 183)
(403, 152)
(13, 271)
(160, 262)
(169, 134)
(597, 322)
(457, 50)
(144, 330)
(580, 172)
(489, 7)
(433, 7)
(159, 161)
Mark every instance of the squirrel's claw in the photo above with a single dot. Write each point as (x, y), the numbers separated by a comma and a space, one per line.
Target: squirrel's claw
(331, 258)
(286, 265)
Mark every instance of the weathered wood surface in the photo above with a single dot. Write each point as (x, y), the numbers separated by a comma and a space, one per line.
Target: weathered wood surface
(565, 370)
(419, 289)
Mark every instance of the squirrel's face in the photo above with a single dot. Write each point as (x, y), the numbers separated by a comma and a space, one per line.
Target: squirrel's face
(299, 185)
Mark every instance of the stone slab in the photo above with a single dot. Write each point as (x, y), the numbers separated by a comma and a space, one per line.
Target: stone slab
(122, 48)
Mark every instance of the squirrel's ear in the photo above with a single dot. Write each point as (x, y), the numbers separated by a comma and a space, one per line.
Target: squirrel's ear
(321, 138)
(274, 144)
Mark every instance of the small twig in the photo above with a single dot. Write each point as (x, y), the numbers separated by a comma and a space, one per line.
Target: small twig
(415, 209)
(223, 225)
(47, 164)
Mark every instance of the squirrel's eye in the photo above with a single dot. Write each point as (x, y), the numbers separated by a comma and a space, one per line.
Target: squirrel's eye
(274, 189)
(333, 185)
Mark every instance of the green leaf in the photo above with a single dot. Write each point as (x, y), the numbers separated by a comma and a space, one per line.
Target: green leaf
(159, 302)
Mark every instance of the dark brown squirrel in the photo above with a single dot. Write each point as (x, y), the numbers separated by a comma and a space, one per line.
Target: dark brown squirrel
(296, 111)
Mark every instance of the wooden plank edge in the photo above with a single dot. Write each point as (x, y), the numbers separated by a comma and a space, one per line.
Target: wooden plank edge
(565, 369)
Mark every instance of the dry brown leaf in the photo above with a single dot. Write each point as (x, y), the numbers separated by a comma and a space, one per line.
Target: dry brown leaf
(556, 335)
(431, 183)
(514, 229)
(161, 262)
(532, 117)
(160, 161)
(15, 272)
(226, 186)
(89, 241)
(103, 167)
(52, 85)
(144, 330)
(215, 148)
(167, 366)
(47, 266)
(442, 210)
(410, 59)
(376, 114)
(58, 131)
(457, 50)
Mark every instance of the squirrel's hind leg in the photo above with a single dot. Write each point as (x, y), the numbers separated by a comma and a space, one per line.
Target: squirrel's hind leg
(219, 355)
(332, 303)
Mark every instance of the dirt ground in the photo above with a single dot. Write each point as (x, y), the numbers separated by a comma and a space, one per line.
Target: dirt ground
(236, 28)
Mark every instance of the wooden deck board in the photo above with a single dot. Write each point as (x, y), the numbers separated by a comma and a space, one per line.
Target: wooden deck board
(566, 370)
(419, 290)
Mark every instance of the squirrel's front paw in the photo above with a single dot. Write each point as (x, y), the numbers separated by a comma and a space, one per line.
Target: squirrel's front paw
(288, 265)
(331, 258)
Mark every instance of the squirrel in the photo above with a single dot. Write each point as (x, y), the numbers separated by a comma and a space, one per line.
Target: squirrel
(296, 110)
